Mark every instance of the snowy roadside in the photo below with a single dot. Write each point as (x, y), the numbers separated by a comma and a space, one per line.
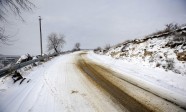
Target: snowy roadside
(13, 95)
(168, 85)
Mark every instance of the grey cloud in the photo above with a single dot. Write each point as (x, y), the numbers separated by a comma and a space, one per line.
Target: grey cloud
(94, 22)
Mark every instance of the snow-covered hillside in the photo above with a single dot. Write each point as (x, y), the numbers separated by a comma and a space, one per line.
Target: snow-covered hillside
(165, 50)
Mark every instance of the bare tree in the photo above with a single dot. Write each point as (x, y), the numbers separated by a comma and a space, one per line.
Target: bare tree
(15, 7)
(107, 47)
(3, 38)
(97, 49)
(55, 42)
(77, 46)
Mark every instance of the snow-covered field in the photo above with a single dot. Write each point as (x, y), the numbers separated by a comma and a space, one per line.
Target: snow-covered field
(168, 85)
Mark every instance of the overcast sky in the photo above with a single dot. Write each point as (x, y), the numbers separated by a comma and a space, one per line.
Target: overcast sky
(93, 23)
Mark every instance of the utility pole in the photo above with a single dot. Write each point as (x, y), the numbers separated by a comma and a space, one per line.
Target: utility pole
(40, 35)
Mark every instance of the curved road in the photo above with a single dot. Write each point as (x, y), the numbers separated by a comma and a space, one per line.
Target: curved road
(74, 83)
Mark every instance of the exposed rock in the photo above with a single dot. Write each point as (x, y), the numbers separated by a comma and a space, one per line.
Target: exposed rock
(147, 53)
(173, 44)
(114, 53)
(181, 56)
(17, 76)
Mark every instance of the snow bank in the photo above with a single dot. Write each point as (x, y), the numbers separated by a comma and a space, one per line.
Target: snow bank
(168, 85)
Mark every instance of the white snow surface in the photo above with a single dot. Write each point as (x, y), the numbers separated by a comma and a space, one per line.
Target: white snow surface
(58, 85)
(54, 86)
(168, 85)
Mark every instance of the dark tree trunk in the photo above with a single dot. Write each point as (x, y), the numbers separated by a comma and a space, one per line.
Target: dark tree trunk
(56, 50)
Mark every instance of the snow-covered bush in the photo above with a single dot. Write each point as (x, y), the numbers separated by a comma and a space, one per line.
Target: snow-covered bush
(24, 58)
(170, 64)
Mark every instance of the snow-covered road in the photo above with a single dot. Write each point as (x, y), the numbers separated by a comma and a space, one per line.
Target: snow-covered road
(73, 82)
(56, 86)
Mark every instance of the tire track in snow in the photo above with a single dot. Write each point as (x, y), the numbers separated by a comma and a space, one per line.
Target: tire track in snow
(101, 77)
(126, 100)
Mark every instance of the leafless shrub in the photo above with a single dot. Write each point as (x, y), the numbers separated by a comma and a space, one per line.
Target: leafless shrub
(125, 46)
(180, 36)
(170, 64)
(107, 47)
(77, 46)
(168, 28)
(172, 26)
(97, 49)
